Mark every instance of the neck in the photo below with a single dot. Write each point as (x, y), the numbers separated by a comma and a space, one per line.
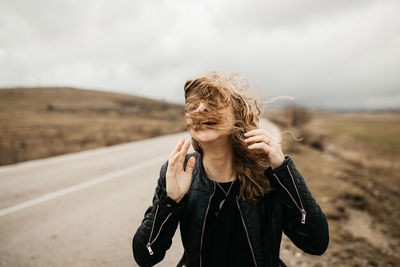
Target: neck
(218, 160)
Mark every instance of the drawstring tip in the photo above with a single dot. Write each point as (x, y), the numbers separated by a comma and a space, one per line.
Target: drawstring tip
(149, 249)
(303, 216)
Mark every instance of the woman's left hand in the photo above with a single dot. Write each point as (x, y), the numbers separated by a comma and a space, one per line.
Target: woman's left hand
(263, 140)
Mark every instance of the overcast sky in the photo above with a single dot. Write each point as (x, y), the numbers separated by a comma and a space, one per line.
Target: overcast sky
(331, 54)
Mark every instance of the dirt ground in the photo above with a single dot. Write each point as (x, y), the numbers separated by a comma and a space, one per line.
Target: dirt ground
(350, 164)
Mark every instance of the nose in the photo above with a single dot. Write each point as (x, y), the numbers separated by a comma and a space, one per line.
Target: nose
(202, 107)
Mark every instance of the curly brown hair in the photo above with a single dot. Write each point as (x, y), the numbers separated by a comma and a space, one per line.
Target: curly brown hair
(221, 90)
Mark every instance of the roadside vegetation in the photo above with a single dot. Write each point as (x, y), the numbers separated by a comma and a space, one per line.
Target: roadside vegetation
(350, 162)
(44, 122)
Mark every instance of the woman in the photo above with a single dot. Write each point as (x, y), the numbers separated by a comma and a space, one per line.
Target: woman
(235, 195)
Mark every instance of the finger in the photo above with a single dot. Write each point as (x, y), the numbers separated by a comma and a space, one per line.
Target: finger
(262, 146)
(190, 165)
(177, 147)
(272, 137)
(253, 132)
(172, 160)
(259, 138)
(261, 132)
(183, 152)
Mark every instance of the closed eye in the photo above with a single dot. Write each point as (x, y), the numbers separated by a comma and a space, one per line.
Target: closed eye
(192, 107)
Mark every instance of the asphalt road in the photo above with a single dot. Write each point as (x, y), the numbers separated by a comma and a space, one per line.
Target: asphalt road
(82, 209)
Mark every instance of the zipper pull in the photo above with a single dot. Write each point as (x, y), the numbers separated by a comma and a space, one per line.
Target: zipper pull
(303, 216)
(149, 249)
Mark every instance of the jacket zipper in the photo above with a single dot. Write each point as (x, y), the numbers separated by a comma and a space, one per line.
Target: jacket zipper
(204, 222)
(301, 207)
(247, 233)
(152, 228)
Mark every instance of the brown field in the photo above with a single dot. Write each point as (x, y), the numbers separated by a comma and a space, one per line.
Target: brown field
(44, 122)
(351, 164)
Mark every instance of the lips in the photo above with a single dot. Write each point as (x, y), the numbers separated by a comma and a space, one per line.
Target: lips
(208, 122)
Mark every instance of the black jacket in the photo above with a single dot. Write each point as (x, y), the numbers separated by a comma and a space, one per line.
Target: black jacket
(289, 207)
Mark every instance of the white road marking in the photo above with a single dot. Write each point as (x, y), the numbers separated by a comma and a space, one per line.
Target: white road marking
(80, 186)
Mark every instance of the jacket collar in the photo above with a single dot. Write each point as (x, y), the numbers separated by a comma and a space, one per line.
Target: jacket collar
(206, 182)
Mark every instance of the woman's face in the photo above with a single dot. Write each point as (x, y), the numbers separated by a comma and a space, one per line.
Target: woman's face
(213, 124)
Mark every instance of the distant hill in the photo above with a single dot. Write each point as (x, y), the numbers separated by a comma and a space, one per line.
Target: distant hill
(48, 121)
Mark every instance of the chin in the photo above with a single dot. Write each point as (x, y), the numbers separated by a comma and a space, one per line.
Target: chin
(206, 135)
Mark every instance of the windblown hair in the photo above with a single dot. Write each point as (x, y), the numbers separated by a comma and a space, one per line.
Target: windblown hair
(227, 90)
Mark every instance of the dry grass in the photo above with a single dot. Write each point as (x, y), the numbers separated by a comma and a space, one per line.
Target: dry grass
(349, 160)
(354, 176)
(44, 122)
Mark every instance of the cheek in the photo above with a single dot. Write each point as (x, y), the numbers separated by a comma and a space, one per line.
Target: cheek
(230, 119)
(189, 120)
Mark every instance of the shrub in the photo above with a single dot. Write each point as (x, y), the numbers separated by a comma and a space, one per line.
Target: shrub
(300, 115)
(316, 141)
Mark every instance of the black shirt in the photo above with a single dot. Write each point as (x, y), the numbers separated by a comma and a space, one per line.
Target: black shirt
(225, 241)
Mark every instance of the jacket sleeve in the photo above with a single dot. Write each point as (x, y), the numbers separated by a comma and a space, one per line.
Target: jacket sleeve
(304, 222)
(154, 236)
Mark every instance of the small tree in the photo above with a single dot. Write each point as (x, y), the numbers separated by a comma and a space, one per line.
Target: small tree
(299, 115)
(50, 107)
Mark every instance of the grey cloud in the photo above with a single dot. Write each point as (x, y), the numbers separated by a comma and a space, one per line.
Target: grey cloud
(316, 51)
(266, 15)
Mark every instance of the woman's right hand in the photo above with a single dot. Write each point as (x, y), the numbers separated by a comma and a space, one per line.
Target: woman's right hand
(178, 181)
